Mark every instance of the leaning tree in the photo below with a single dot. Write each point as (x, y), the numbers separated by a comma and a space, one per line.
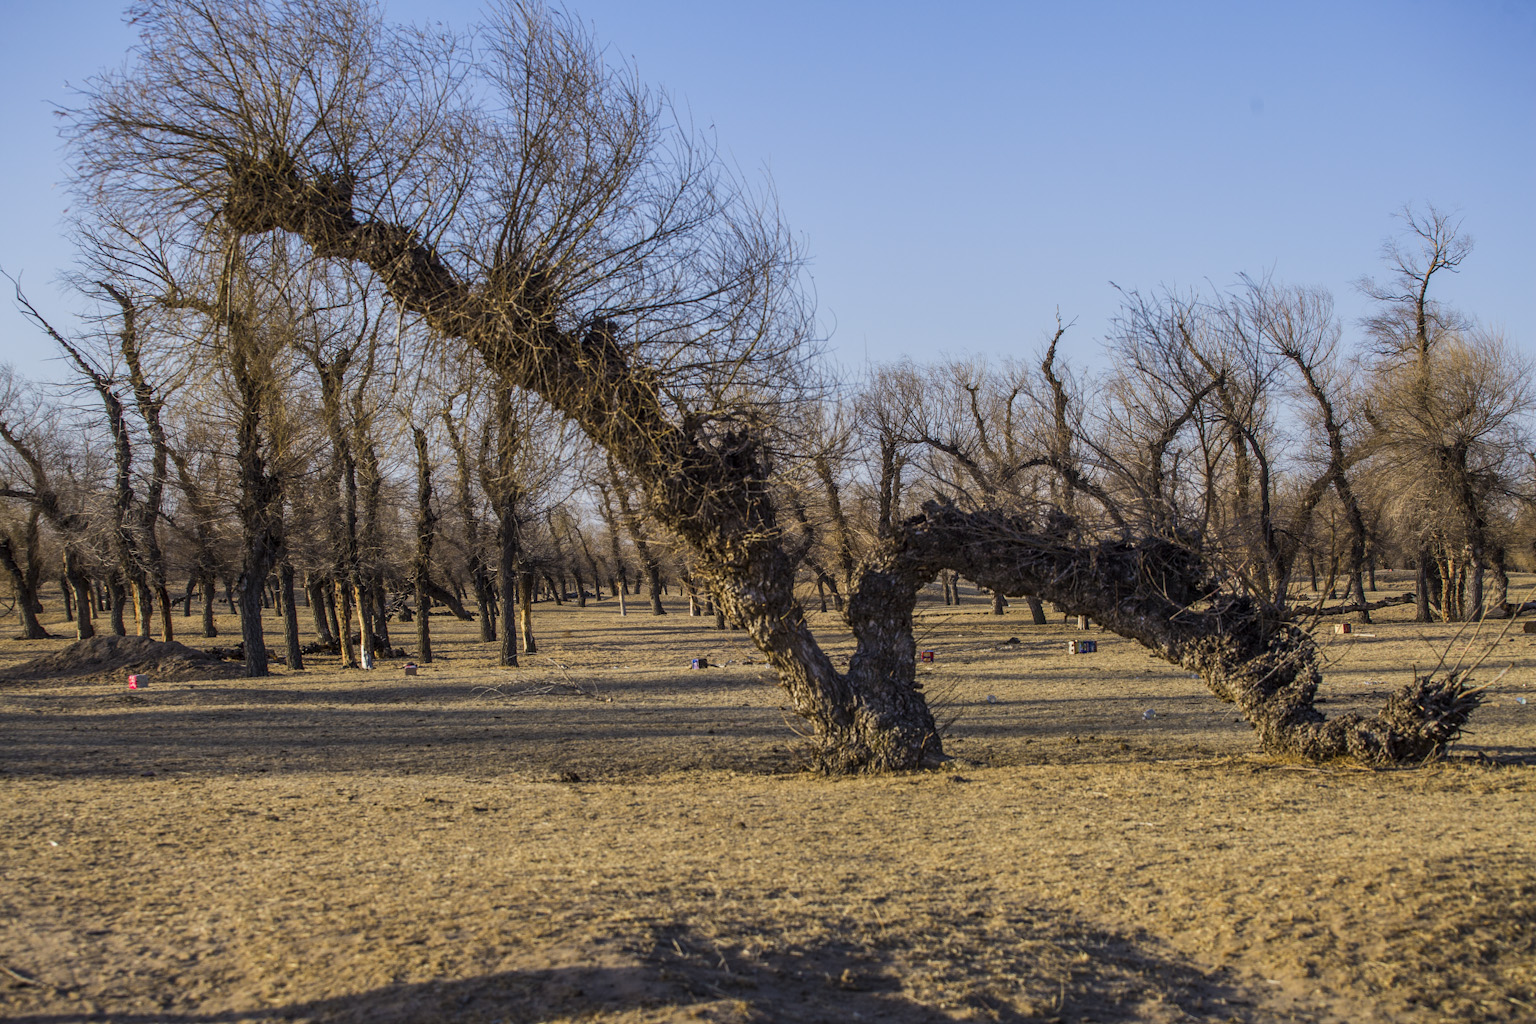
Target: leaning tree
(519, 193)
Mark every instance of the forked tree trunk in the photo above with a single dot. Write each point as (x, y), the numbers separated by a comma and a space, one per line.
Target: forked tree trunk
(874, 717)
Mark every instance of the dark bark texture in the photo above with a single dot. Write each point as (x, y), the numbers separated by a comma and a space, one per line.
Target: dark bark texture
(1155, 592)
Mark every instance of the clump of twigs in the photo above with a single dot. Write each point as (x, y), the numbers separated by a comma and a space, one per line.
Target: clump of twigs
(566, 685)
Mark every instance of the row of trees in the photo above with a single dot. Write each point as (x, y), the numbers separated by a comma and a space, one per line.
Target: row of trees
(397, 318)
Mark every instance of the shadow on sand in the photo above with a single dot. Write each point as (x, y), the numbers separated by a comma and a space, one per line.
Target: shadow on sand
(676, 974)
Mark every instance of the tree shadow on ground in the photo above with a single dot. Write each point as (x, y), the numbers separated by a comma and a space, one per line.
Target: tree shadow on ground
(675, 973)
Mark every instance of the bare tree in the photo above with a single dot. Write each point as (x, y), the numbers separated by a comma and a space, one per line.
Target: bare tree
(247, 336)
(1409, 324)
(31, 434)
(536, 204)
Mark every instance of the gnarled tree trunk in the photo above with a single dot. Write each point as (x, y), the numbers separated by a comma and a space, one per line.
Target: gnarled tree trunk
(1154, 592)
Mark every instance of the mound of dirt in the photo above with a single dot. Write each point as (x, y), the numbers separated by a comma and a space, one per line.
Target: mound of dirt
(112, 659)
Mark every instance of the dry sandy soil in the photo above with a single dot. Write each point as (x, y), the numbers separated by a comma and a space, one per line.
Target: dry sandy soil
(604, 835)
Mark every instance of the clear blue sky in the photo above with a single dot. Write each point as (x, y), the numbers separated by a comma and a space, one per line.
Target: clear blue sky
(959, 171)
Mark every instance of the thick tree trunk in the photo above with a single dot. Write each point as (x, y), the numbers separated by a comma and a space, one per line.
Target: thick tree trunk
(252, 635)
(874, 718)
(448, 599)
(26, 594)
(1156, 594)
(1474, 607)
(1498, 607)
(295, 656)
(68, 593)
(423, 625)
(331, 618)
(506, 580)
(367, 646)
(1036, 611)
(343, 599)
(118, 597)
(209, 592)
(143, 606)
(653, 577)
(426, 534)
(525, 581)
(314, 587)
(485, 600)
(163, 597)
(81, 585)
(382, 643)
(1421, 564)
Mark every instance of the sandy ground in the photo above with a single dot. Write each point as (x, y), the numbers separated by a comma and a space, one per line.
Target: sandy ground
(605, 835)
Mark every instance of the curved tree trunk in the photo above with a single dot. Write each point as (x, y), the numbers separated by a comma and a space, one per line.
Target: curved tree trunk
(1153, 591)
(448, 599)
